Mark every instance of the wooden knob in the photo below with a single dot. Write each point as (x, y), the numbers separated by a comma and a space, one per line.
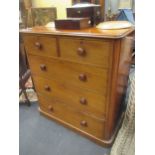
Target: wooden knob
(47, 88)
(84, 123)
(81, 51)
(83, 101)
(82, 77)
(50, 108)
(38, 45)
(43, 67)
(79, 11)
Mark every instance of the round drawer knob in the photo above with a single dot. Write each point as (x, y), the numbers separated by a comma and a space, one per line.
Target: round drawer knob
(82, 77)
(81, 51)
(47, 88)
(38, 45)
(43, 67)
(79, 11)
(83, 101)
(50, 108)
(84, 123)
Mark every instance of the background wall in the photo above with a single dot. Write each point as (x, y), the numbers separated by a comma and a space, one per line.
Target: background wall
(59, 4)
(114, 5)
(62, 4)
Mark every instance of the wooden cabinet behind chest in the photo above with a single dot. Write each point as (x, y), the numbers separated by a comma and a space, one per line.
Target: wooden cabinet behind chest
(75, 81)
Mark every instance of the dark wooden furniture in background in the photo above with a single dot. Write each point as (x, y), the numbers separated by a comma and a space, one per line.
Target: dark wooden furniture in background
(80, 77)
(81, 1)
(72, 23)
(23, 11)
(24, 73)
(100, 2)
(91, 12)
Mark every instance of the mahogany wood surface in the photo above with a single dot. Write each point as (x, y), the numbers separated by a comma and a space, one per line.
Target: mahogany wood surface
(119, 79)
(99, 2)
(41, 45)
(87, 51)
(92, 13)
(72, 23)
(89, 32)
(71, 116)
(81, 77)
(72, 96)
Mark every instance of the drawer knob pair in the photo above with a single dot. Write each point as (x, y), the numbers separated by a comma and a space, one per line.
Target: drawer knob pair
(50, 108)
(81, 51)
(47, 88)
(83, 101)
(84, 123)
(38, 45)
(43, 67)
(82, 77)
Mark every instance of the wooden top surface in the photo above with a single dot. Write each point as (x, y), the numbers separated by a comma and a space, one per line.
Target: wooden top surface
(90, 32)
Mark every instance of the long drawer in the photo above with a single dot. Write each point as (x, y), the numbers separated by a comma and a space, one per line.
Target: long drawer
(82, 76)
(41, 45)
(86, 101)
(79, 120)
(97, 52)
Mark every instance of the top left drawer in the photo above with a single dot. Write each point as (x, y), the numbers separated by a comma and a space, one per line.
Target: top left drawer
(40, 45)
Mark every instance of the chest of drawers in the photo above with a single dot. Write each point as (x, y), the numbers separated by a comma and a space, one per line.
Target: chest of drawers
(80, 77)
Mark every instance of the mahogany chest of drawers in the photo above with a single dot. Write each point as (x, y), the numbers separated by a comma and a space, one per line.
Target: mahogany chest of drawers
(80, 77)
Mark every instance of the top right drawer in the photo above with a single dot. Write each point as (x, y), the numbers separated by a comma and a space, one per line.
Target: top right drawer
(97, 52)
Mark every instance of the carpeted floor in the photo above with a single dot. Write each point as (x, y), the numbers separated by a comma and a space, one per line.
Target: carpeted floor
(40, 136)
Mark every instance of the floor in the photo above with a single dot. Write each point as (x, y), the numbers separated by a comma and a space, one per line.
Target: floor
(40, 136)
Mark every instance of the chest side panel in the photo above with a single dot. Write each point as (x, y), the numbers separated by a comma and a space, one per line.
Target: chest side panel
(118, 84)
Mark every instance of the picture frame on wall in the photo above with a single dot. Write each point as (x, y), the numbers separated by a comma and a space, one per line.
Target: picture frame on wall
(42, 16)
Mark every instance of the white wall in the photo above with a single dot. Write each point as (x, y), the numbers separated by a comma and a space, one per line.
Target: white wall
(59, 4)
(62, 4)
(114, 5)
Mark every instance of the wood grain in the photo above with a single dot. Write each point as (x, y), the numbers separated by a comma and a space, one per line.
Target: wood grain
(90, 32)
(41, 45)
(72, 97)
(119, 80)
(92, 126)
(68, 73)
(81, 77)
(94, 51)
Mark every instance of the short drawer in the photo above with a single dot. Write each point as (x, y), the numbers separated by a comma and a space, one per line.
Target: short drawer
(97, 52)
(91, 103)
(79, 12)
(70, 116)
(83, 76)
(40, 45)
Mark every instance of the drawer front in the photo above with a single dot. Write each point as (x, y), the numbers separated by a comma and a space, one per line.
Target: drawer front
(79, 12)
(41, 45)
(95, 52)
(79, 120)
(91, 103)
(82, 76)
